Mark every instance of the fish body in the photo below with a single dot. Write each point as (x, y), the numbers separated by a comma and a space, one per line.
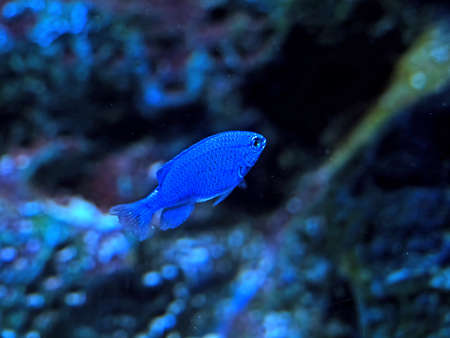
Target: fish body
(211, 168)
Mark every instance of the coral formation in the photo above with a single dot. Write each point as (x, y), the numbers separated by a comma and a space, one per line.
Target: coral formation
(343, 230)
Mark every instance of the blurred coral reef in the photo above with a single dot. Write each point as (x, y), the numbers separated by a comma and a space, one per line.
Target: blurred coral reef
(344, 229)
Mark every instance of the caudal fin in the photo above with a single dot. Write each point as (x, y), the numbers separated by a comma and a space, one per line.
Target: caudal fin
(135, 217)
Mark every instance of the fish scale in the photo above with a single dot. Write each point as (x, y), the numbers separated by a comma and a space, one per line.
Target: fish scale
(210, 168)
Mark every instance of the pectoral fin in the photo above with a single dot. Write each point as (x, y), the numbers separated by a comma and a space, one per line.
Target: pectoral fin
(223, 196)
(242, 185)
(173, 217)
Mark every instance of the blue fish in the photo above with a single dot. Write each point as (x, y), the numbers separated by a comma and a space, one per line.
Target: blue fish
(211, 168)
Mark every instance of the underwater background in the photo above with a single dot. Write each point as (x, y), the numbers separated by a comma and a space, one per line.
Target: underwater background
(344, 227)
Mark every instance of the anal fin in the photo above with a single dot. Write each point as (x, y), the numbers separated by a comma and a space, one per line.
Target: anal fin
(173, 217)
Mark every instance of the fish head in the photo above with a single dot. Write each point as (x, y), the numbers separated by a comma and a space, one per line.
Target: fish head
(253, 145)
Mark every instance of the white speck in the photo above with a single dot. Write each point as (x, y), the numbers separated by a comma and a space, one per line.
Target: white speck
(418, 80)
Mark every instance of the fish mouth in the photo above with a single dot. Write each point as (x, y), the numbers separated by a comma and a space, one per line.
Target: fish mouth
(264, 141)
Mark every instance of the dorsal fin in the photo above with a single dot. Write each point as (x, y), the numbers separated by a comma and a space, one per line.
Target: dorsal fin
(162, 172)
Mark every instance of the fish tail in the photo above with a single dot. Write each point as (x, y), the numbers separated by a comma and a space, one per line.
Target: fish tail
(135, 217)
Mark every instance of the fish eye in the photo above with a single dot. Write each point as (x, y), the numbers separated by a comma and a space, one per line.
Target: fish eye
(256, 142)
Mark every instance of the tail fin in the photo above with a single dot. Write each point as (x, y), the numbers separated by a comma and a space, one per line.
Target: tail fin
(135, 217)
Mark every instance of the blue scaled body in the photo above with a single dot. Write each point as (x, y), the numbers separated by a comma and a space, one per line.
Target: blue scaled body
(211, 168)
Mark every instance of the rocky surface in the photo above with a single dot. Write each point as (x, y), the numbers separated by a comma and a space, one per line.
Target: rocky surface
(343, 230)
